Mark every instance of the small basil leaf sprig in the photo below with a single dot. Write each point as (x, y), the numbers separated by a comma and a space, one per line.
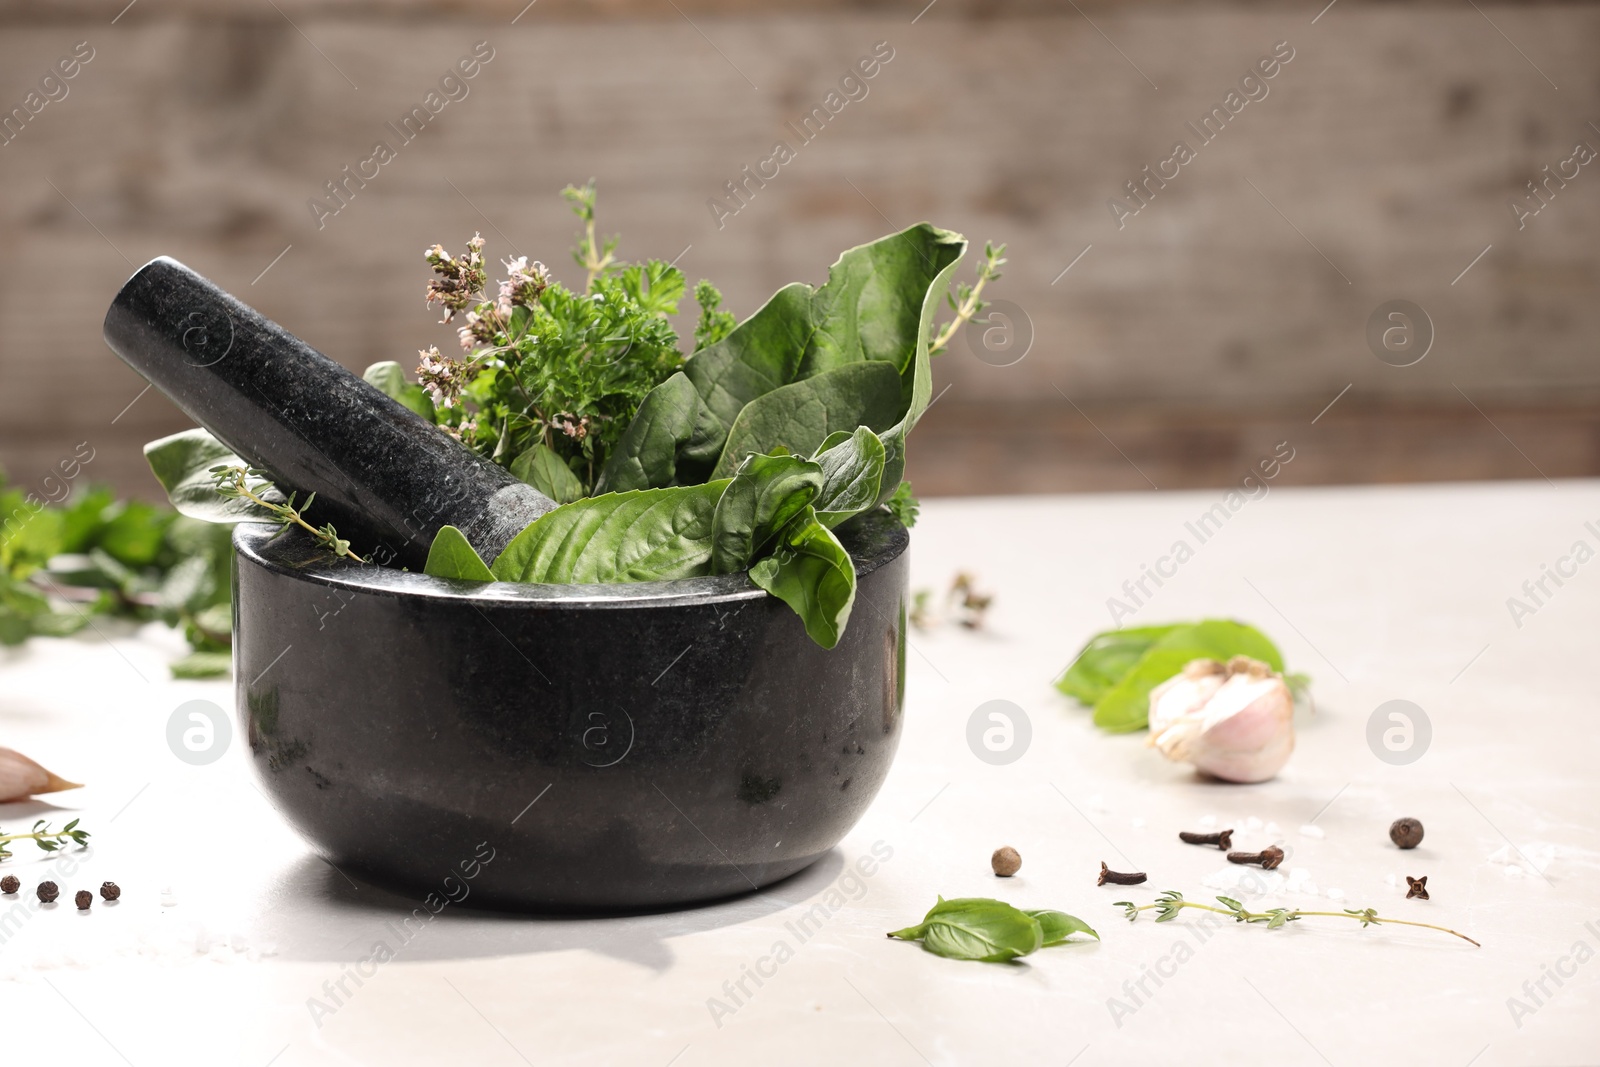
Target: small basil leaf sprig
(990, 931)
(1170, 902)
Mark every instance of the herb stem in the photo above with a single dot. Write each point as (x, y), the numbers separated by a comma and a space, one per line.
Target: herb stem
(1260, 916)
(971, 302)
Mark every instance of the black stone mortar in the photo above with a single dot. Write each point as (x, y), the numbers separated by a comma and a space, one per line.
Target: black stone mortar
(557, 748)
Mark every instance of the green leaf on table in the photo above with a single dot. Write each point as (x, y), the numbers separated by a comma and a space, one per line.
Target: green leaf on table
(389, 378)
(1058, 926)
(1126, 705)
(852, 475)
(640, 536)
(976, 928)
(452, 556)
(547, 472)
(200, 665)
(876, 306)
(811, 572)
(764, 495)
(1107, 658)
(182, 464)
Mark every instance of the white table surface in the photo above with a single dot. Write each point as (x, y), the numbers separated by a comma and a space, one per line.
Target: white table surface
(1378, 593)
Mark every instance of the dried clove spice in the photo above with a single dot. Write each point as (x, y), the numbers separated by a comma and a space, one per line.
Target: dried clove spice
(1419, 887)
(9, 884)
(1006, 861)
(1268, 857)
(1108, 876)
(83, 899)
(110, 891)
(1407, 832)
(1223, 839)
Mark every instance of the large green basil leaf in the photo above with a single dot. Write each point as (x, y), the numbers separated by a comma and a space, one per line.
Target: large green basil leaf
(803, 415)
(1126, 705)
(877, 304)
(852, 473)
(547, 472)
(1107, 657)
(811, 572)
(182, 464)
(976, 928)
(389, 378)
(640, 536)
(766, 493)
(452, 556)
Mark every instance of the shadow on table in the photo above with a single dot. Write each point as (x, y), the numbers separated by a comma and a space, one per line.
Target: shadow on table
(314, 913)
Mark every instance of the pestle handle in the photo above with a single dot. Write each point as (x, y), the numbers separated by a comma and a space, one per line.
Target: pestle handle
(386, 477)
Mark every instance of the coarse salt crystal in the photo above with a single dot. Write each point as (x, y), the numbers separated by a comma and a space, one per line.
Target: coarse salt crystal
(1273, 830)
(1336, 894)
(1513, 871)
(1315, 832)
(1252, 823)
(1097, 803)
(1207, 821)
(1138, 823)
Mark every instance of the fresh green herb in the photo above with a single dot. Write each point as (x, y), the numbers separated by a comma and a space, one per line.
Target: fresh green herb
(1117, 669)
(47, 839)
(452, 556)
(62, 565)
(233, 482)
(965, 300)
(1170, 902)
(714, 324)
(990, 931)
(904, 506)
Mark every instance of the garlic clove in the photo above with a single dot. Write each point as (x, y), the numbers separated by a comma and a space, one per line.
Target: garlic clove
(1233, 721)
(21, 777)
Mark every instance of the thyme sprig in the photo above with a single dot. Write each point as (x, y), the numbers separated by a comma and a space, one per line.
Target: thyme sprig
(47, 839)
(1170, 902)
(233, 480)
(967, 299)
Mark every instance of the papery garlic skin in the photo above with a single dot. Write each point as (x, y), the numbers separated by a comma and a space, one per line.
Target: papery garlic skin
(21, 778)
(1234, 721)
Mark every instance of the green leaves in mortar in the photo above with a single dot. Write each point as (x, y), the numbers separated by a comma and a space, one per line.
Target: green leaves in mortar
(1117, 669)
(810, 363)
(182, 464)
(452, 556)
(990, 931)
(389, 378)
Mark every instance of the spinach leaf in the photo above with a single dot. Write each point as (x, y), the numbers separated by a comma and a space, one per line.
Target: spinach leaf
(452, 556)
(976, 928)
(877, 305)
(182, 464)
(639, 536)
(389, 378)
(763, 497)
(547, 472)
(646, 455)
(1126, 705)
(802, 415)
(1058, 926)
(811, 572)
(1107, 658)
(852, 474)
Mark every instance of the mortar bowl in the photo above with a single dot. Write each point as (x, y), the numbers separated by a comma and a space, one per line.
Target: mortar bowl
(563, 748)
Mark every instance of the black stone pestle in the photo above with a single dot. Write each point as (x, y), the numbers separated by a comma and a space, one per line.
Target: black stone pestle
(385, 477)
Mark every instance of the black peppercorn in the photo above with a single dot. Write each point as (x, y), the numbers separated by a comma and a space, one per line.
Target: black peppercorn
(83, 899)
(110, 890)
(48, 891)
(1407, 832)
(9, 884)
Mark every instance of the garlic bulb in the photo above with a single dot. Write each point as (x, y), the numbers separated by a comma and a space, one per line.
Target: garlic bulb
(21, 778)
(1234, 720)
